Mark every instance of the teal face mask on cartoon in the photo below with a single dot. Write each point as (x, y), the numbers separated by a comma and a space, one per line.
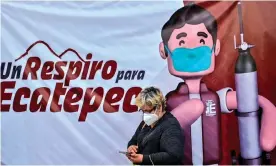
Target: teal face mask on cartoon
(191, 59)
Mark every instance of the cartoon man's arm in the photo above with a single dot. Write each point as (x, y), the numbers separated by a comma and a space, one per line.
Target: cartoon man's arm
(228, 102)
(188, 112)
(224, 107)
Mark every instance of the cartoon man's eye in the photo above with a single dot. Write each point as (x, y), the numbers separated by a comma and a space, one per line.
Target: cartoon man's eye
(202, 41)
(181, 42)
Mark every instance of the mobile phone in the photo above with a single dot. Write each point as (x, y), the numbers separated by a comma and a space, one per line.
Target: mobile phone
(126, 153)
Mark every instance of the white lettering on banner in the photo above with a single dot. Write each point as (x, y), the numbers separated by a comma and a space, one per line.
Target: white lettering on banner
(210, 108)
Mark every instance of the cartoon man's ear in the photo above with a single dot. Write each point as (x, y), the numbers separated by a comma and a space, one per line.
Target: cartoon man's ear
(217, 47)
(162, 50)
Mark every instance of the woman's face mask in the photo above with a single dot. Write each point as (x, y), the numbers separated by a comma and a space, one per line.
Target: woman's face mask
(150, 117)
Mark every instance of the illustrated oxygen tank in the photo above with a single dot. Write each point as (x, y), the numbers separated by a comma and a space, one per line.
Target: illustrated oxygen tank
(247, 100)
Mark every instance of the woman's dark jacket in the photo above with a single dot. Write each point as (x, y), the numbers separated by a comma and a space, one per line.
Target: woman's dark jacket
(163, 143)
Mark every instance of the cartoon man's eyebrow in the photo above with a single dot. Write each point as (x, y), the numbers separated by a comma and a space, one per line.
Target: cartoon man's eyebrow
(203, 34)
(182, 34)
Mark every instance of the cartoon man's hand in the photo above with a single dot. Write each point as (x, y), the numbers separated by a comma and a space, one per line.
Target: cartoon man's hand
(188, 112)
(268, 125)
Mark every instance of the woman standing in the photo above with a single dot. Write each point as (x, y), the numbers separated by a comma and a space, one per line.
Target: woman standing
(158, 139)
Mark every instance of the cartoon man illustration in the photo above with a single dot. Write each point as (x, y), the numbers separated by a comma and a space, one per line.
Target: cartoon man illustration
(190, 45)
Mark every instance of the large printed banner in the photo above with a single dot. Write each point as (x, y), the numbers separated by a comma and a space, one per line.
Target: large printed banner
(70, 72)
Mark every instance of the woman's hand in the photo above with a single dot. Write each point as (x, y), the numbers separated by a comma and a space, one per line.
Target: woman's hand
(132, 149)
(136, 158)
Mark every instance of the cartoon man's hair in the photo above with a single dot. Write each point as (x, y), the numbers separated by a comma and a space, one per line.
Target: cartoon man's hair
(190, 14)
(152, 97)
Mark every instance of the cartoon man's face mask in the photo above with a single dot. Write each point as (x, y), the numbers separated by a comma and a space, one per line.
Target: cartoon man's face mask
(190, 51)
(191, 59)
